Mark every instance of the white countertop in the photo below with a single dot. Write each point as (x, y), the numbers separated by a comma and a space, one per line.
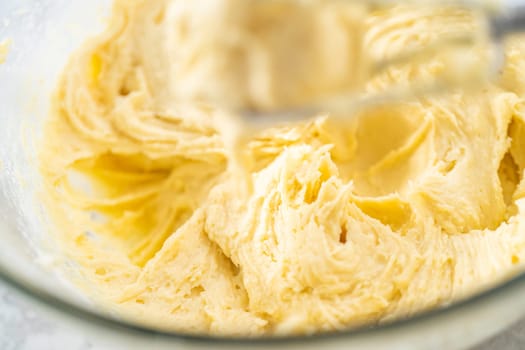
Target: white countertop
(22, 329)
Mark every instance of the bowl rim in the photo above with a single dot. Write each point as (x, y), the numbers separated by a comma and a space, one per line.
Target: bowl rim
(127, 327)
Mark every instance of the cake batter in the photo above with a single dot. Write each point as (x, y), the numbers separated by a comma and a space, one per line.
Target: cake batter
(401, 208)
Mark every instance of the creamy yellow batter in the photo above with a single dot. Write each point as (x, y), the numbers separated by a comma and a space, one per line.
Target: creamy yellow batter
(401, 208)
(4, 49)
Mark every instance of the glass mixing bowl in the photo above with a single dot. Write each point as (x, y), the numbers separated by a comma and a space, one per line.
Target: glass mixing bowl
(43, 33)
